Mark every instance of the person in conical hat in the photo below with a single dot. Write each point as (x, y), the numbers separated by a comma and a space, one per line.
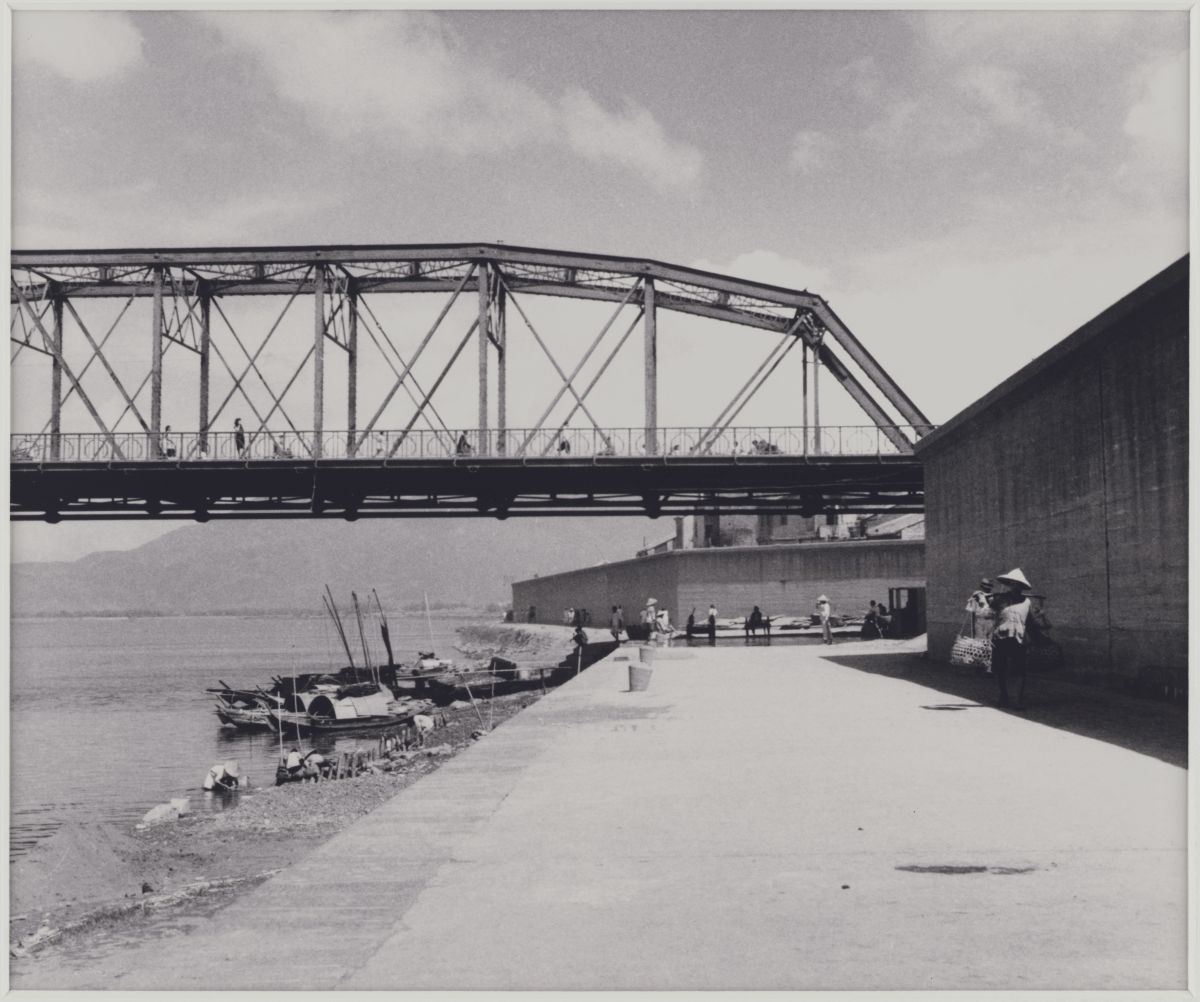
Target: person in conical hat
(1015, 577)
(1008, 638)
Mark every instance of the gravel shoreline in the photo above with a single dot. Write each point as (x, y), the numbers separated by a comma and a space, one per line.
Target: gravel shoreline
(93, 884)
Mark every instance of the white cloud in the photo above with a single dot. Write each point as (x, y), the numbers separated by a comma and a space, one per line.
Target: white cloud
(927, 126)
(1005, 95)
(811, 150)
(135, 215)
(82, 46)
(631, 137)
(985, 311)
(1018, 37)
(404, 72)
(1158, 121)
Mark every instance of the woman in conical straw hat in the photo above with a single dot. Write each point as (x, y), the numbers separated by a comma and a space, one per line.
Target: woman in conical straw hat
(1008, 637)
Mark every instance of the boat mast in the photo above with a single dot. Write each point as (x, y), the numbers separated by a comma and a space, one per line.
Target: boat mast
(363, 637)
(331, 607)
(383, 628)
(429, 620)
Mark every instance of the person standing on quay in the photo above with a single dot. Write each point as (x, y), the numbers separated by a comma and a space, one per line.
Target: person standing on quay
(615, 624)
(1012, 609)
(712, 623)
(823, 613)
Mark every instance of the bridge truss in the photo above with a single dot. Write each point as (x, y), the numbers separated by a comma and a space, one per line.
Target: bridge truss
(133, 465)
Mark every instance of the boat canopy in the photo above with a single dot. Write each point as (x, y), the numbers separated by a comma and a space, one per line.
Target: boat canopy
(328, 706)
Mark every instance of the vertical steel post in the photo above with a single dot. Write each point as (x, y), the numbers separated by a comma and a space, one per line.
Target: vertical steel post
(804, 397)
(816, 393)
(482, 278)
(318, 358)
(651, 360)
(56, 382)
(205, 355)
(156, 360)
(352, 373)
(501, 370)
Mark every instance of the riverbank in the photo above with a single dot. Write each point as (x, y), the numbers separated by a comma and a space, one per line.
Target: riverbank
(92, 883)
(895, 828)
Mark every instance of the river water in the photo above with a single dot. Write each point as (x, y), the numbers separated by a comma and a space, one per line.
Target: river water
(109, 715)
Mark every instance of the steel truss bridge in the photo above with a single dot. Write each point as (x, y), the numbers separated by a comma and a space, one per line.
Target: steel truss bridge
(132, 465)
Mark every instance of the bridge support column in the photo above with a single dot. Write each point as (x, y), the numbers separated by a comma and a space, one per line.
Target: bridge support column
(804, 399)
(318, 358)
(651, 367)
(352, 374)
(205, 354)
(156, 362)
(501, 334)
(816, 395)
(483, 278)
(56, 373)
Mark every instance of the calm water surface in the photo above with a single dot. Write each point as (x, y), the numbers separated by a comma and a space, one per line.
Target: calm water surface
(109, 716)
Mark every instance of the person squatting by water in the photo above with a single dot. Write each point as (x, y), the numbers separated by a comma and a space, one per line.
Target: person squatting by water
(823, 613)
(1012, 608)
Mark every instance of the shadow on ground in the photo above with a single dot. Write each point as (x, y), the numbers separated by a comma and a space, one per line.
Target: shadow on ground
(1158, 729)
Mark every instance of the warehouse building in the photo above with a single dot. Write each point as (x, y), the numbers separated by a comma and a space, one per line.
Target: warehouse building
(782, 580)
(1075, 470)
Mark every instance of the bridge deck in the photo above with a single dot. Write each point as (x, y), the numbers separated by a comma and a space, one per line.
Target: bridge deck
(519, 472)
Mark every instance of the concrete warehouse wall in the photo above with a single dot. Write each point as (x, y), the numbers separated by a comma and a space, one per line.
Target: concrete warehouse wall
(1075, 470)
(781, 580)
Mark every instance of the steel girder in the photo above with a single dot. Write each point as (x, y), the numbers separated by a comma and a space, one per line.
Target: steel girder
(494, 487)
(443, 267)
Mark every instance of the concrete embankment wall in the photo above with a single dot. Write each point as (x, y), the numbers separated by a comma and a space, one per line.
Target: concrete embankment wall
(1075, 470)
(781, 580)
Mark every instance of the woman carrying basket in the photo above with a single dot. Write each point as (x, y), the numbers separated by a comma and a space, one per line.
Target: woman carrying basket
(1012, 608)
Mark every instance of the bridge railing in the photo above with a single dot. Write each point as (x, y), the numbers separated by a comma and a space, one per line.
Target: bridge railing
(92, 447)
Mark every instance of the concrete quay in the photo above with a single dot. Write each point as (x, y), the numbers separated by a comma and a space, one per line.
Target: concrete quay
(758, 818)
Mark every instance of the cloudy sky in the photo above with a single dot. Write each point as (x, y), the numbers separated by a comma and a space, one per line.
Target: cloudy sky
(965, 188)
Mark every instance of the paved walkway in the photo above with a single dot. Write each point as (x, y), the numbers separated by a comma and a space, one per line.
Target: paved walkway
(760, 818)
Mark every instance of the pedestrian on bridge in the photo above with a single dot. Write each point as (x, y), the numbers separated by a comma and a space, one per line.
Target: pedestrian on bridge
(239, 436)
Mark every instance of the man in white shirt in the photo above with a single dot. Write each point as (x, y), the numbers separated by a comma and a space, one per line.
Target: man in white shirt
(823, 613)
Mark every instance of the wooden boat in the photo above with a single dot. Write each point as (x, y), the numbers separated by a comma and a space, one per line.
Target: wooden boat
(360, 707)
(245, 709)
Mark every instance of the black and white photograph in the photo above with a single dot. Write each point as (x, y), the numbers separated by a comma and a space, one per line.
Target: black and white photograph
(613, 499)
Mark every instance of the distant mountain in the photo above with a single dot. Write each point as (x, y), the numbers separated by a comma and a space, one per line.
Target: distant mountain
(283, 565)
